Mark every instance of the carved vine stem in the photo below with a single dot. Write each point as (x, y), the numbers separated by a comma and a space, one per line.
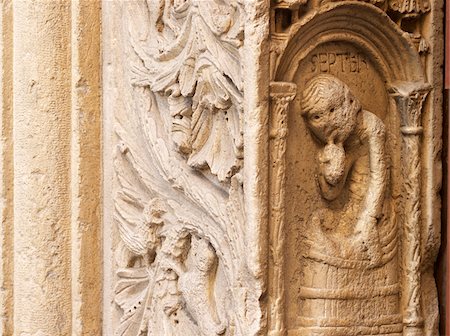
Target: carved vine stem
(281, 95)
(409, 98)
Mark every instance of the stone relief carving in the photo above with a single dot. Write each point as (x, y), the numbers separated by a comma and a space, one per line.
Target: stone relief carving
(182, 253)
(336, 263)
(410, 98)
(355, 245)
(407, 14)
(281, 95)
(193, 59)
(350, 251)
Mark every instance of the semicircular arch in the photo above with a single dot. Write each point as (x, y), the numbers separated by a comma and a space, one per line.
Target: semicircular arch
(363, 25)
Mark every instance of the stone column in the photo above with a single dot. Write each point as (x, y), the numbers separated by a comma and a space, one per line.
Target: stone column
(281, 94)
(409, 98)
(56, 151)
(42, 290)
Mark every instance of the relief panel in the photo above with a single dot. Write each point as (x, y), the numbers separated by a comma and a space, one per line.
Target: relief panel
(354, 225)
(334, 111)
(182, 251)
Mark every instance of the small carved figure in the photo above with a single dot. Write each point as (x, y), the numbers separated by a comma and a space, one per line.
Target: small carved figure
(350, 245)
(192, 292)
(168, 314)
(195, 285)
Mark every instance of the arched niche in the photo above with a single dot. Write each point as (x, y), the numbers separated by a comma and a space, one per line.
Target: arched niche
(359, 44)
(362, 25)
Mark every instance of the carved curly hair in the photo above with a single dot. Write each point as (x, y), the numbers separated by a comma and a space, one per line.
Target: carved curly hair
(326, 87)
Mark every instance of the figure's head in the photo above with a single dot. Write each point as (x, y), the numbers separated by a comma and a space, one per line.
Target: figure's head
(329, 108)
(204, 254)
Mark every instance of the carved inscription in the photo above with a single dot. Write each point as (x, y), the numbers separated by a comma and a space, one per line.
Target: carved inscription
(344, 62)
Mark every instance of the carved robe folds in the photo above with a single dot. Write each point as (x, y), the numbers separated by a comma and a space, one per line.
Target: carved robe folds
(350, 246)
(277, 168)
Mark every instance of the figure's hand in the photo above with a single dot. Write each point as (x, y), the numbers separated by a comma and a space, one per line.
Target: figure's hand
(332, 171)
(332, 163)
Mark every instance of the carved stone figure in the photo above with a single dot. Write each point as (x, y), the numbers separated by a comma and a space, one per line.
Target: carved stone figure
(350, 247)
(173, 292)
(231, 218)
(196, 285)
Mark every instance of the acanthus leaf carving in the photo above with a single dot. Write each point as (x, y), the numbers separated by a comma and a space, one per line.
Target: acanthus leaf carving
(193, 58)
(182, 259)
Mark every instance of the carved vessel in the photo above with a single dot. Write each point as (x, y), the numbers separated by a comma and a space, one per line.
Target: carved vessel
(352, 221)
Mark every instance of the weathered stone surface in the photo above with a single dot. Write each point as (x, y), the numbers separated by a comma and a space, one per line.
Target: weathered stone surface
(50, 274)
(276, 169)
(363, 169)
(183, 250)
(269, 167)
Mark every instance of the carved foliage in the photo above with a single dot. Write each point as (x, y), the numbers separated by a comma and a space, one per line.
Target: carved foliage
(181, 252)
(193, 58)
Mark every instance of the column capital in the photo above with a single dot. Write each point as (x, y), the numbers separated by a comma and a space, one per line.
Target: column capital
(281, 94)
(284, 91)
(409, 97)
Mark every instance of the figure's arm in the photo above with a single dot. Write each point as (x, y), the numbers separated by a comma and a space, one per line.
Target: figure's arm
(374, 200)
(372, 207)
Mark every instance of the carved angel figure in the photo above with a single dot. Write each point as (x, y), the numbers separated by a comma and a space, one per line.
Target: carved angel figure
(350, 245)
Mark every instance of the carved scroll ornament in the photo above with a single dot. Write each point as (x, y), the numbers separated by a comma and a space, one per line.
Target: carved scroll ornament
(182, 259)
(193, 58)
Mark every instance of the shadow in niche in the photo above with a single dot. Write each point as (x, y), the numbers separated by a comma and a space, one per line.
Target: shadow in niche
(441, 267)
(283, 19)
